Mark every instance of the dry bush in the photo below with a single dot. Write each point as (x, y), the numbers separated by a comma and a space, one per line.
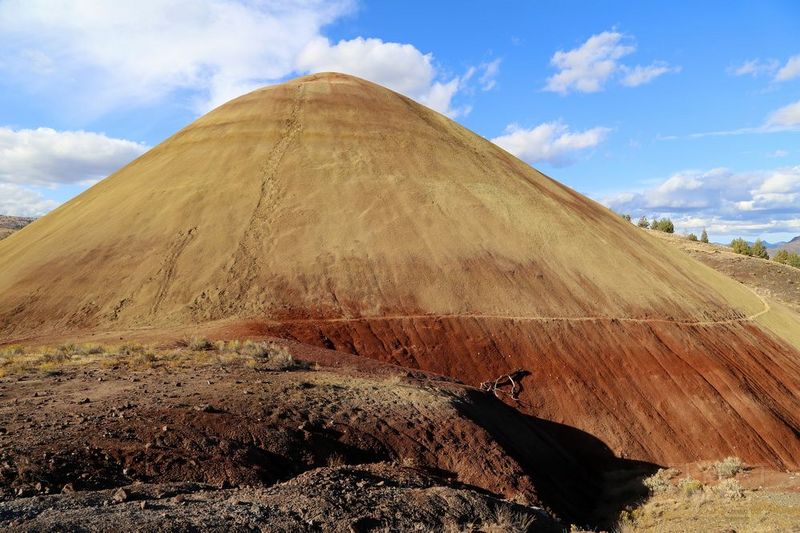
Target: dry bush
(199, 344)
(660, 481)
(507, 520)
(689, 487)
(729, 488)
(130, 348)
(268, 355)
(728, 467)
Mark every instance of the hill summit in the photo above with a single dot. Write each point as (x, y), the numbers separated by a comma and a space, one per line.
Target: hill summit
(334, 211)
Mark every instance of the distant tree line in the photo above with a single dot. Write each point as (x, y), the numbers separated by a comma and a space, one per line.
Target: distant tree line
(757, 249)
(663, 224)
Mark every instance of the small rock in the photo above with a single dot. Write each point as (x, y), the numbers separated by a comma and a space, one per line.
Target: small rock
(120, 495)
(164, 429)
(68, 489)
(142, 505)
(84, 401)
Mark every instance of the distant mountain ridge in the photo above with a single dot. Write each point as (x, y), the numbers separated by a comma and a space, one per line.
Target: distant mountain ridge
(10, 224)
(791, 246)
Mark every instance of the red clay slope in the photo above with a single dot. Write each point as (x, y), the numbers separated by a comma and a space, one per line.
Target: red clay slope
(335, 211)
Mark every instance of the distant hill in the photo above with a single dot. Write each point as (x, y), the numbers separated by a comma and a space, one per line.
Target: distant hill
(9, 224)
(791, 246)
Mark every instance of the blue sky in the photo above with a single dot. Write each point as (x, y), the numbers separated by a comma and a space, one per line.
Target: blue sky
(682, 109)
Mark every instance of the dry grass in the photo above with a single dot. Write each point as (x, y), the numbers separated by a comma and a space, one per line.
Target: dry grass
(261, 355)
(685, 504)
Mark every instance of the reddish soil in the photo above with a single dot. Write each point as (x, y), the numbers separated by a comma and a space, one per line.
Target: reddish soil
(95, 428)
(659, 392)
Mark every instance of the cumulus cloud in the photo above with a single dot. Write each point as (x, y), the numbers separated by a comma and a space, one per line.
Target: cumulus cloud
(590, 66)
(47, 157)
(550, 142)
(140, 52)
(728, 202)
(103, 55)
(401, 67)
(23, 202)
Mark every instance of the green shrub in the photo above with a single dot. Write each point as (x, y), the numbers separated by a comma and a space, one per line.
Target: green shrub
(787, 258)
(643, 223)
(704, 236)
(759, 250)
(626, 217)
(663, 224)
(692, 237)
(740, 246)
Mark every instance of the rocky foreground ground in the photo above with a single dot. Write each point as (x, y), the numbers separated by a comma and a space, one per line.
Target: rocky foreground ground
(242, 444)
(269, 437)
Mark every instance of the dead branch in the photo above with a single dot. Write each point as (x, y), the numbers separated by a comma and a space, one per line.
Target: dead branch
(496, 386)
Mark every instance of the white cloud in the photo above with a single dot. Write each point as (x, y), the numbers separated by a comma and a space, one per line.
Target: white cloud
(778, 153)
(551, 142)
(133, 53)
(769, 67)
(755, 67)
(725, 201)
(101, 56)
(399, 66)
(786, 116)
(790, 70)
(44, 156)
(588, 67)
(20, 201)
(489, 75)
(640, 75)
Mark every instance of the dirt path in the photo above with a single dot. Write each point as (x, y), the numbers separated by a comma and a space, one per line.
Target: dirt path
(533, 318)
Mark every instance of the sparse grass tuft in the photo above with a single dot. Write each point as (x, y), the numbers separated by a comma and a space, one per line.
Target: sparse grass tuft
(728, 467)
(335, 460)
(507, 520)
